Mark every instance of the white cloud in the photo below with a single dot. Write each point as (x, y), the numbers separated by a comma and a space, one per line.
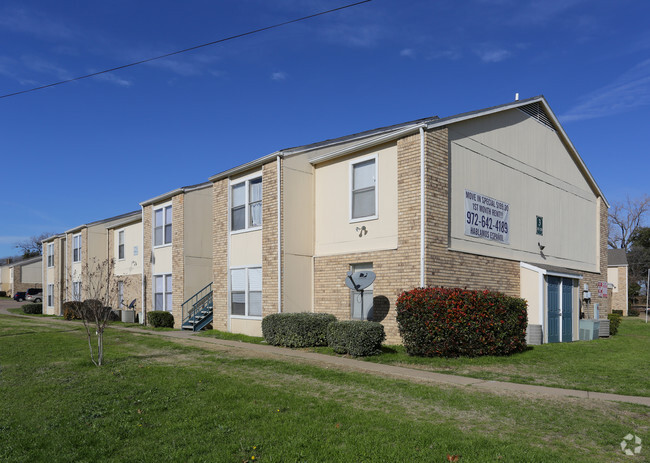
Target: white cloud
(38, 64)
(12, 239)
(279, 76)
(33, 23)
(493, 55)
(355, 35)
(407, 52)
(631, 90)
(113, 79)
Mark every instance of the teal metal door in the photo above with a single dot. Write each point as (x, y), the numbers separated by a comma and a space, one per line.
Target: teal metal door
(553, 284)
(567, 310)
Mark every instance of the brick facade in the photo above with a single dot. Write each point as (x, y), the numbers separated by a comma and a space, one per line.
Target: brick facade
(178, 259)
(147, 255)
(270, 238)
(220, 217)
(592, 279)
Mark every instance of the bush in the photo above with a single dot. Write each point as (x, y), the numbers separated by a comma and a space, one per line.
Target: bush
(618, 312)
(33, 308)
(72, 310)
(356, 337)
(3, 293)
(296, 329)
(633, 312)
(441, 322)
(160, 319)
(614, 322)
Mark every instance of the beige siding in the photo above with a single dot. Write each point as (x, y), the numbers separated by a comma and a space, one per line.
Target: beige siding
(32, 273)
(131, 264)
(197, 241)
(335, 233)
(530, 290)
(513, 158)
(246, 249)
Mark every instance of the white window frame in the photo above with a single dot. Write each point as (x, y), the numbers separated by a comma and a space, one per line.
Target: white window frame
(163, 208)
(75, 238)
(50, 295)
(120, 237)
(76, 290)
(165, 292)
(50, 255)
(247, 203)
(353, 163)
(246, 292)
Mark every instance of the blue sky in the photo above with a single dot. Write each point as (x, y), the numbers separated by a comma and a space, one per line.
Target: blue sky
(95, 148)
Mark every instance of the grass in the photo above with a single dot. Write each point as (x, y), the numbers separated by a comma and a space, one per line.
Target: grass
(232, 336)
(158, 401)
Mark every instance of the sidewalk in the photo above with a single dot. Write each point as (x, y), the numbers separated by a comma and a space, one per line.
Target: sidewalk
(409, 374)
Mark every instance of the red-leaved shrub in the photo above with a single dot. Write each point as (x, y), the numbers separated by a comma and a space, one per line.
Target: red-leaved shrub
(452, 322)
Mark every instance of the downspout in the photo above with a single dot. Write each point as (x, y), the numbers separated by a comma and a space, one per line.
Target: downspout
(142, 278)
(422, 208)
(279, 201)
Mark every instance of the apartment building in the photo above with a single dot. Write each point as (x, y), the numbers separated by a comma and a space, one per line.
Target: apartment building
(125, 253)
(177, 252)
(25, 274)
(493, 199)
(617, 276)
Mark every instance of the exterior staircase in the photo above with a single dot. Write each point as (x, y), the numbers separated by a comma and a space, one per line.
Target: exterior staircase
(197, 310)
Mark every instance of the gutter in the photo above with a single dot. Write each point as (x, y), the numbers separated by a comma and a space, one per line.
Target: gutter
(279, 202)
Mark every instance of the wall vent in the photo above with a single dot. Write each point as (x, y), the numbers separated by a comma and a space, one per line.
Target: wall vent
(536, 111)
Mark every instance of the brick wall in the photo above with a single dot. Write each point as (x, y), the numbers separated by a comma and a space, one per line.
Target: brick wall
(147, 251)
(220, 217)
(592, 279)
(619, 298)
(178, 259)
(270, 238)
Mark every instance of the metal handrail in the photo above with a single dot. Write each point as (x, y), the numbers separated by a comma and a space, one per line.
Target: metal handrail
(195, 303)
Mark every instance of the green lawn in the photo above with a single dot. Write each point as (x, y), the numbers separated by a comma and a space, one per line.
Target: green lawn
(159, 401)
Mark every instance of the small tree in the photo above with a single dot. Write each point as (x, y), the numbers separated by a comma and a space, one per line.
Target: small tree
(100, 293)
(33, 246)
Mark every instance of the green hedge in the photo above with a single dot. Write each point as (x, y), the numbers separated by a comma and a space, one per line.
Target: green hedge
(160, 319)
(452, 322)
(296, 329)
(633, 312)
(33, 308)
(356, 337)
(614, 322)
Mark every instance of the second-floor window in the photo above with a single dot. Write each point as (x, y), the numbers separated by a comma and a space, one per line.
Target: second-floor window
(246, 204)
(76, 248)
(120, 245)
(363, 195)
(50, 255)
(162, 226)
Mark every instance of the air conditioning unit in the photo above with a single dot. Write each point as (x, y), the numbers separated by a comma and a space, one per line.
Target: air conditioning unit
(589, 329)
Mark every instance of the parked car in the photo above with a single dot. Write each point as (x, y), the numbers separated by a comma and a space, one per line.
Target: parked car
(19, 296)
(34, 295)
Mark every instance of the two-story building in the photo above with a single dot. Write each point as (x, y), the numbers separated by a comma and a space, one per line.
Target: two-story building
(493, 199)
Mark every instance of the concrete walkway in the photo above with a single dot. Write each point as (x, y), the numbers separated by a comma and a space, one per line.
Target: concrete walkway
(345, 363)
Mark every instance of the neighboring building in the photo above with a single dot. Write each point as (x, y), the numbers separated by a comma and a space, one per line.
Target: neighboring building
(125, 252)
(494, 199)
(54, 274)
(76, 262)
(5, 280)
(177, 248)
(617, 274)
(25, 274)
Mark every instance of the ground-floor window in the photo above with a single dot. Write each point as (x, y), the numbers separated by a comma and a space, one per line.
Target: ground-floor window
(246, 292)
(120, 294)
(163, 292)
(50, 295)
(76, 290)
(361, 302)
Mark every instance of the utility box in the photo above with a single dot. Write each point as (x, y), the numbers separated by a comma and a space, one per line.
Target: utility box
(128, 316)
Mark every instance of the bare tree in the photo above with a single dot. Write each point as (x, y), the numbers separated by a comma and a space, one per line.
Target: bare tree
(100, 291)
(32, 247)
(624, 219)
